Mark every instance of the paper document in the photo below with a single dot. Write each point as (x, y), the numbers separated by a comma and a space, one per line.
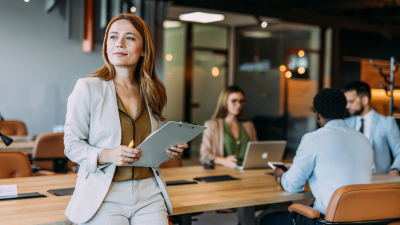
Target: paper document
(154, 147)
(8, 190)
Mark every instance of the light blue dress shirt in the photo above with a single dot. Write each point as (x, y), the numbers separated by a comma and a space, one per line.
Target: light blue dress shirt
(330, 157)
(384, 137)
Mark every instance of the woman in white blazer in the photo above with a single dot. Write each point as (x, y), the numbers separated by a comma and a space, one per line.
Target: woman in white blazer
(94, 131)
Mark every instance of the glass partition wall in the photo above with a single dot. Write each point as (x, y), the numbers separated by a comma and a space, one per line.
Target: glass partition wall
(278, 70)
(195, 66)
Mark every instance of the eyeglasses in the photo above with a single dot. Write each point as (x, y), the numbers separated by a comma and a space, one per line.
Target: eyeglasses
(234, 101)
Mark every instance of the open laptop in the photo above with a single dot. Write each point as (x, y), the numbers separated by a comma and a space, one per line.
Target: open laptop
(259, 153)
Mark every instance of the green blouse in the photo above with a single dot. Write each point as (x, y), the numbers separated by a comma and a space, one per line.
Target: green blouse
(233, 146)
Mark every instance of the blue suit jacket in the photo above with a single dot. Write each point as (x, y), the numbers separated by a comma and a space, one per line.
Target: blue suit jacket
(384, 136)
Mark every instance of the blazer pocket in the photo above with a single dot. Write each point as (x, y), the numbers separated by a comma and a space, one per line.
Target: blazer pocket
(82, 173)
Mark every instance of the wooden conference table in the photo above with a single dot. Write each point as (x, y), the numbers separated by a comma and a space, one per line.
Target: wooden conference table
(17, 145)
(255, 187)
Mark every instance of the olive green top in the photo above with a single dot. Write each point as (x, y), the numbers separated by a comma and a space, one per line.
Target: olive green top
(233, 146)
(136, 130)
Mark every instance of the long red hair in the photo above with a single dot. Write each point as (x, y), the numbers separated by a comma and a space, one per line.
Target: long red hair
(151, 87)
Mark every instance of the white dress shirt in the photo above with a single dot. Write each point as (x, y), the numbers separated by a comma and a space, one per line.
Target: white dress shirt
(367, 123)
(329, 158)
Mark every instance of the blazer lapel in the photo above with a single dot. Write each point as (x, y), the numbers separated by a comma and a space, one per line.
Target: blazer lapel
(374, 122)
(115, 114)
(353, 121)
(220, 128)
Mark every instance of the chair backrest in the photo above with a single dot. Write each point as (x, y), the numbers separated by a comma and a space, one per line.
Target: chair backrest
(362, 202)
(50, 145)
(14, 164)
(13, 128)
(173, 162)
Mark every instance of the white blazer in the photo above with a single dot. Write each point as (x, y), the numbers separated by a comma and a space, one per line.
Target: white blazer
(92, 125)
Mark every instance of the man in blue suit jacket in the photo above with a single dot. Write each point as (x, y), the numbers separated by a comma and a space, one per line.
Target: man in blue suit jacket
(381, 131)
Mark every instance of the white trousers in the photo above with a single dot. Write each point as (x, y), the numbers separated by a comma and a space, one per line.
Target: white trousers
(137, 202)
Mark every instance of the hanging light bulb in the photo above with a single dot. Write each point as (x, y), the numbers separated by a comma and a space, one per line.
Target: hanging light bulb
(215, 71)
(264, 24)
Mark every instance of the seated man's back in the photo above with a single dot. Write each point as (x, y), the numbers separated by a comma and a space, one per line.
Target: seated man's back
(328, 158)
(331, 157)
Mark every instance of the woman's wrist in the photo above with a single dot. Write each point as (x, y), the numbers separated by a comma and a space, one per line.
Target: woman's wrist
(103, 159)
(219, 160)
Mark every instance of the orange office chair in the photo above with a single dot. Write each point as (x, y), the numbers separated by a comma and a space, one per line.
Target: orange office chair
(13, 128)
(48, 153)
(358, 204)
(14, 164)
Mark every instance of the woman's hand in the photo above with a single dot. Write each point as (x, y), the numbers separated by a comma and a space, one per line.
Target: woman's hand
(176, 151)
(120, 156)
(229, 161)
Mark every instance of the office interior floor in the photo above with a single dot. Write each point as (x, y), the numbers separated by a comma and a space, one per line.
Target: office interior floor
(219, 217)
(214, 217)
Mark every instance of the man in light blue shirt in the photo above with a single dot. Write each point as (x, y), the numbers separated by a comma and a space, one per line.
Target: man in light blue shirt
(328, 158)
(381, 131)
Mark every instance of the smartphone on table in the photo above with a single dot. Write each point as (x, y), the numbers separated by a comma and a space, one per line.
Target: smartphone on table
(275, 165)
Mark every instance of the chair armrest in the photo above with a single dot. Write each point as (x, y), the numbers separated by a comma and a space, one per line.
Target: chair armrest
(305, 211)
(44, 173)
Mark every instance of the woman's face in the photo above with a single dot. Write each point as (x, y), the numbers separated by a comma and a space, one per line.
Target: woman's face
(124, 44)
(235, 103)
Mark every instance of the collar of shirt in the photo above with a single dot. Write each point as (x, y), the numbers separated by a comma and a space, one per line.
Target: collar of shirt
(140, 107)
(367, 123)
(367, 116)
(335, 123)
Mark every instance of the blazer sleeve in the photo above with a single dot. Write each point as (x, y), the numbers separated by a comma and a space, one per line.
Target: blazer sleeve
(302, 168)
(393, 137)
(76, 129)
(206, 152)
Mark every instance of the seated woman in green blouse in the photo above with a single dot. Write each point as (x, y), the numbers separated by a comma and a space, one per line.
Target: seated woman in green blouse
(225, 140)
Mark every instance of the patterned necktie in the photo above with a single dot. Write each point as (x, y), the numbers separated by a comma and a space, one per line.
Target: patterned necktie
(362, 125)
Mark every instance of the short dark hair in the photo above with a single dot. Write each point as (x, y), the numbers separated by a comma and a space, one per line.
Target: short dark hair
(330, 103)
(361, 88)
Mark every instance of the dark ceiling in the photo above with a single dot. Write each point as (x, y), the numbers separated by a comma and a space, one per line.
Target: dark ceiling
(367, 15)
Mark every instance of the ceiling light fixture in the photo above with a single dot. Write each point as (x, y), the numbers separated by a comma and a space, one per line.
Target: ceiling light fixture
(257, 34)
(215, 71)
(171, 24)
(201, 17)
(264, 24)
(169, 57)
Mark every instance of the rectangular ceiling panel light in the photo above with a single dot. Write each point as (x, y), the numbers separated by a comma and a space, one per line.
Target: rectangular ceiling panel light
(201, 17)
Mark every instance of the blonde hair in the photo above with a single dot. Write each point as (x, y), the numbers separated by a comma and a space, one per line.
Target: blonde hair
(222, 105)
(151, 87)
